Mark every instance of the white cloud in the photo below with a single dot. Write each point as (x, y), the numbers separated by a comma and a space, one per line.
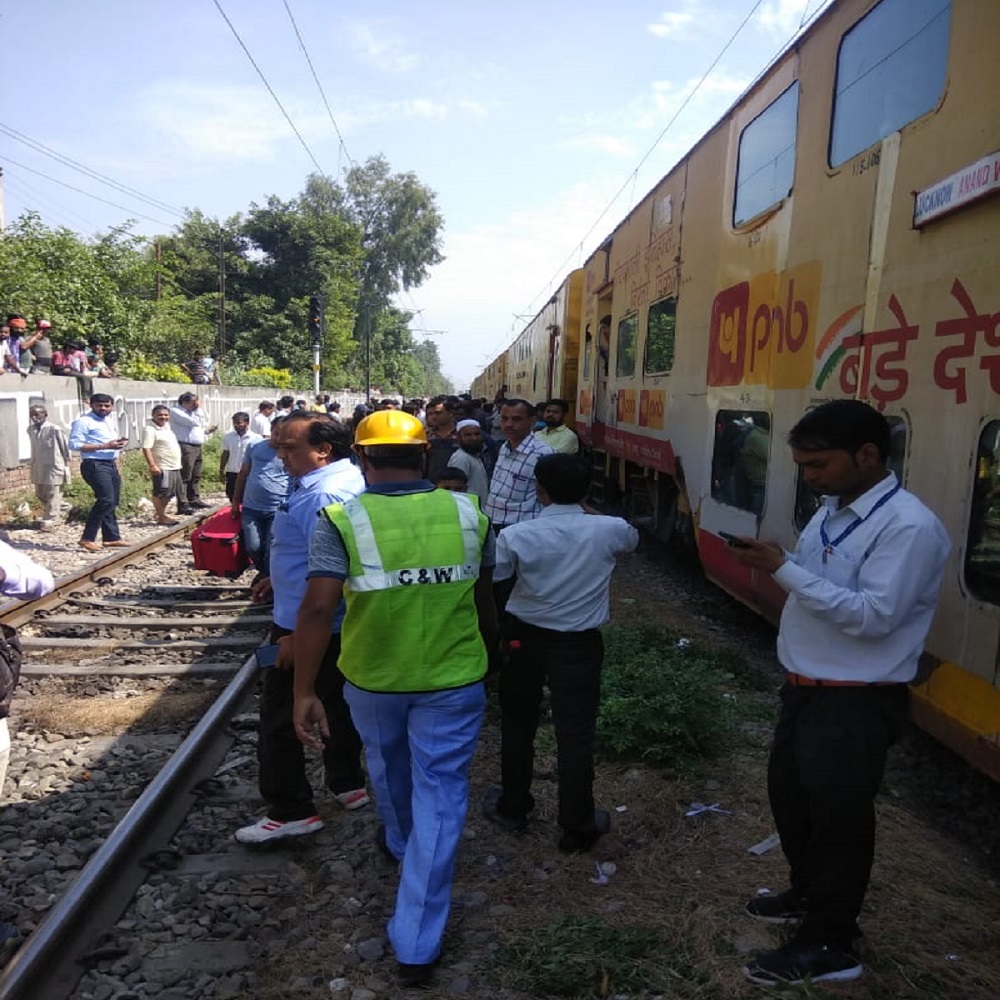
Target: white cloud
(383, 50)
(218, 122)
(476, 108)
(528, 248)
(672, 23)
(614, 145)
(783, 18)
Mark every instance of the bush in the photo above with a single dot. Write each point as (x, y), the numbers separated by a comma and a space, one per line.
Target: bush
(662, 699)
(263, 375)
(583, 957)
(138, 368)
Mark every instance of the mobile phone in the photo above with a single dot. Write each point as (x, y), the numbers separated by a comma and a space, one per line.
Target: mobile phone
(267, 656)
(732, 541)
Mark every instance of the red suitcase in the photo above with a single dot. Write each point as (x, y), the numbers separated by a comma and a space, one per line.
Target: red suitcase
(217, 546)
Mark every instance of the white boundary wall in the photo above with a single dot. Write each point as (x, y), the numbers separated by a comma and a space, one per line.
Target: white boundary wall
(66, 399)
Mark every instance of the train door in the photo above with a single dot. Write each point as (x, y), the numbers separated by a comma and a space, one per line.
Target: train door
(601, 375)
(738, 495)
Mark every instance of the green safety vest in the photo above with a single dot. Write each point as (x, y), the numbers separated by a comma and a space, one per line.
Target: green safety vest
(411, 621)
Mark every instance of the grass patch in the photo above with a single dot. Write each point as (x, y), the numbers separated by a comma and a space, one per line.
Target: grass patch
(663, 699)
(584, 957)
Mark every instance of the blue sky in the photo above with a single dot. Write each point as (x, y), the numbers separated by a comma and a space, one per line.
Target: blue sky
(526, 117)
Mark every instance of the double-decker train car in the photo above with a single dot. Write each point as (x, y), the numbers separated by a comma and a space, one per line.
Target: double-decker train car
(836, 234)
(542, 362)
(491, 380)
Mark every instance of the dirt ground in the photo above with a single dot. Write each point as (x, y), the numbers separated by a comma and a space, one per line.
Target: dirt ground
(930, 920)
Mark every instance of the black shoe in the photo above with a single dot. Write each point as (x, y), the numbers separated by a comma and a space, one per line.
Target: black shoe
(417, 976)
(784, 908)
(575, 843)
(185, 511)
(796, 962)
(491, 810)
(383, 845)
(201, 505)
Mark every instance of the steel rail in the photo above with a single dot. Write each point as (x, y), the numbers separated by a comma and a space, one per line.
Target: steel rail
(49, 964)
(15, 613)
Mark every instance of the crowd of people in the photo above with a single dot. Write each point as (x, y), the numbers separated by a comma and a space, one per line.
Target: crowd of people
(410, 550)
(24, 352)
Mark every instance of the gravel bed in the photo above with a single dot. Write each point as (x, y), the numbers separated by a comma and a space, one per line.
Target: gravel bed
(307, 918)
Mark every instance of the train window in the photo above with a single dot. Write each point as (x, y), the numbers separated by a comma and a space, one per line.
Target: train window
(588, 348)
(890, 70)
(807, 503)
(625, 361)
(660, 328)
(982, 554)
(739, 459)
(767, 157)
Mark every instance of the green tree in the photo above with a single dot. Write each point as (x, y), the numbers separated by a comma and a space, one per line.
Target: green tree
(400, 227)
(102, 288)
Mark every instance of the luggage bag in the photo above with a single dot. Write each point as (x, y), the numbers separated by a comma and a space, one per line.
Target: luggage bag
(217, 546)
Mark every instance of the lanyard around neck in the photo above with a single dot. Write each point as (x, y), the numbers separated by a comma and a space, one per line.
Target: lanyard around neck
(829, 546)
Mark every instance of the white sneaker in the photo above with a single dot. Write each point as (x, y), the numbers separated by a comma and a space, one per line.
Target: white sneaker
(274, 829)
(354, 799)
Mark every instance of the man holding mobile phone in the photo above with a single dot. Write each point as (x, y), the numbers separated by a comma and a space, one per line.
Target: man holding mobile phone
(96, 437)
(862, 587)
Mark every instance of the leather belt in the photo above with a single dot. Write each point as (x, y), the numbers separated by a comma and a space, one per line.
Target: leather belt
(798, 680)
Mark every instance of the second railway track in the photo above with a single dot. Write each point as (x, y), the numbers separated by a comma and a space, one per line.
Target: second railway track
(149, 660)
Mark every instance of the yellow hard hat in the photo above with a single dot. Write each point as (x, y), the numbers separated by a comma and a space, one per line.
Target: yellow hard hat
(390, 427)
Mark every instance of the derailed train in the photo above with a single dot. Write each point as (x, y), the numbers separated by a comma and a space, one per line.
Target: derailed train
(836, 234)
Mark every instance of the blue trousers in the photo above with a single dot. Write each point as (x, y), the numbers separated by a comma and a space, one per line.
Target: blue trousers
(419, 749)
(101, 475)
(257, 537)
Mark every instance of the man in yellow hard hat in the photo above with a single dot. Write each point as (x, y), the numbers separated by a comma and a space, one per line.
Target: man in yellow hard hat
(414, 564)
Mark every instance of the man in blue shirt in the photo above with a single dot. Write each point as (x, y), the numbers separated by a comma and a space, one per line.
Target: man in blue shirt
(315, 451)
(261, 488)
(96, 437)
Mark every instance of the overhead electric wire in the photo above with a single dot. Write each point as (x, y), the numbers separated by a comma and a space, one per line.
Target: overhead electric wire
(68, 161)
(270, 89)
(30, 196)
(55, 180)
(329, 110)
(579, 246)
(649, 152)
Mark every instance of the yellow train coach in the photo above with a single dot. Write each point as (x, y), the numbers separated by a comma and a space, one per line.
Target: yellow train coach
(836, 234)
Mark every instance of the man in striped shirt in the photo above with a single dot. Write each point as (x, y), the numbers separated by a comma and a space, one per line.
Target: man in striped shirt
(512, 490)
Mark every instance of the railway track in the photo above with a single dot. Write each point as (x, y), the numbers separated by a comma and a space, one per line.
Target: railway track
(110, 630)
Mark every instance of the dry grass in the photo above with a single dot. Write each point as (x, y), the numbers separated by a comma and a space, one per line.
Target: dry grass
(61, 713)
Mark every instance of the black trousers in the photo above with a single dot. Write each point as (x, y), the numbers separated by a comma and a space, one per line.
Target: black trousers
(191, 473)
(284, 786)
(570, 663)
(824, 771)
(101, 475)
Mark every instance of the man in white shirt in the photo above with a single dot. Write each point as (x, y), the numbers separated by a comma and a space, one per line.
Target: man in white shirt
(563, 561)
(862, 586)
(234, 449)
(162, 452)
(261, 423)
(189, 423)
(470, 457)
(23, 578)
